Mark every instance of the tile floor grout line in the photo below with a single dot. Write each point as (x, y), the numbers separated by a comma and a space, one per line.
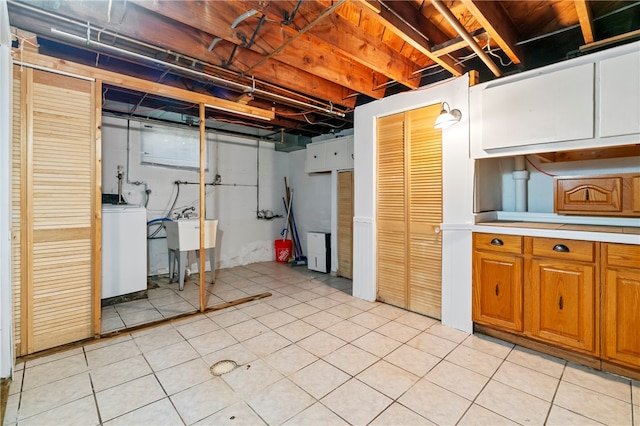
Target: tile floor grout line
(473, 401)
(93, 389)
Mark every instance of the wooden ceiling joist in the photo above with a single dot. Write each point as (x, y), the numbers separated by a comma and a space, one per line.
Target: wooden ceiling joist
(497, 23)
(137, 84)
(446, 48)
(351, 42)
(407, 29)
(312, 57)
(584, 16)
(446, 13)
(150, 28)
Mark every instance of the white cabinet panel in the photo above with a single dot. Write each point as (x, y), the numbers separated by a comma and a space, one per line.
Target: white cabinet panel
(333, 154)
(315, 157)
(339, 153)
(620, 95)
(547, 108)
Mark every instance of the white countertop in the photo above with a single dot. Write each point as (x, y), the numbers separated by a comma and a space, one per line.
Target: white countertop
(611, 230)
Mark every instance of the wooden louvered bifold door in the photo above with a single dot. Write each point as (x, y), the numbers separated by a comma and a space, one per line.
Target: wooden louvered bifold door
(425, 211)
(391, 224)
(57, 288)
(409, 211)
(345, 224)
(17, 177)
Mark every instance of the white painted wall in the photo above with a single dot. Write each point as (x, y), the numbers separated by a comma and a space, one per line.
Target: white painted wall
(312, 201)
(242, 238)
(457, 197)
(6, 95)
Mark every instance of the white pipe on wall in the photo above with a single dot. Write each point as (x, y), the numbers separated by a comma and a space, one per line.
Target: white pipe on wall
(520, 178)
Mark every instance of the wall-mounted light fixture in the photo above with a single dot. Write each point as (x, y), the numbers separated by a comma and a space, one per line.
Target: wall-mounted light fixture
(447, 117)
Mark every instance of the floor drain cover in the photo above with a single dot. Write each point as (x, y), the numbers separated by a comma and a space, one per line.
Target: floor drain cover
(223, 367)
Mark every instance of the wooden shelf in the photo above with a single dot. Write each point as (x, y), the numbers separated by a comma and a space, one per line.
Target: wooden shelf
(590, 154)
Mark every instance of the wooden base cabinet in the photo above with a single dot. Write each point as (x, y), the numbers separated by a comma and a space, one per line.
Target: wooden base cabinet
(497, 281)
(561, 289)
(621, 304)
(575, 299)
(562, 304)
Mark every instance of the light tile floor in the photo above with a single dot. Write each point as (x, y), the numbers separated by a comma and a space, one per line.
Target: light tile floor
(166, 301)
(312, 355)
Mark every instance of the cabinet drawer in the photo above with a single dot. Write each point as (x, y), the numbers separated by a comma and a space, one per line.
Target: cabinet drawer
(564, 249)
(624, 255)
(603, 194)
(498, 243)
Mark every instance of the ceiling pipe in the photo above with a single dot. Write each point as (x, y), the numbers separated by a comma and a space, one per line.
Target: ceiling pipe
(243, 87)
(446, 13)
(328, 110)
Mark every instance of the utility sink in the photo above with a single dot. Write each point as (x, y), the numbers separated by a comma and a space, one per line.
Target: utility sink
(184, 234)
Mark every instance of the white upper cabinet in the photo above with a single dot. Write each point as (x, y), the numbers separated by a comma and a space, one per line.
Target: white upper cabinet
(620, 95)
(315, 157)
(589, 101)
(332, 154)
(546, 108)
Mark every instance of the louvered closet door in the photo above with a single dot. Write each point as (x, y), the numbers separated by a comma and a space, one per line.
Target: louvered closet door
(425, 211)
(391, 222)
(409, 211)
(16, 201)
(60, 176)
(345, 224)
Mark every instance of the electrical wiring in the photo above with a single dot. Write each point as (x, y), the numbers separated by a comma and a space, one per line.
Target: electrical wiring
(490, 52)
(537, 168)
(324, 124)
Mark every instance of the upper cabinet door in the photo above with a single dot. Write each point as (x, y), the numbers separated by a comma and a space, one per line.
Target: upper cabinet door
(547, 108)
(620, 95)
(315, 158)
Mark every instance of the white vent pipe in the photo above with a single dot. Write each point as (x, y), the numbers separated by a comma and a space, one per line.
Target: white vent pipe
(520, 178)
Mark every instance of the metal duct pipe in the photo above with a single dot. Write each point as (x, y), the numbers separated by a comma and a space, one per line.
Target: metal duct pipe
(446, 13)
(198, 73)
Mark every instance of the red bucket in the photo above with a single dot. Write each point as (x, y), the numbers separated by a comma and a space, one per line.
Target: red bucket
(283, 250)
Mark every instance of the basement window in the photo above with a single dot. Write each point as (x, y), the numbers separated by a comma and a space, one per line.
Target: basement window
(171, 146)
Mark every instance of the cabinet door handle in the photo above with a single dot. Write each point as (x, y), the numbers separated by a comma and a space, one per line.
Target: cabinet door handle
(496, 242)
(335, 153)
(560, 303)
(561, 248)
(497, 289)
(315, 156)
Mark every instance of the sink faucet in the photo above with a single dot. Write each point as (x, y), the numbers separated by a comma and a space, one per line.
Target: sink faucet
(186, 213)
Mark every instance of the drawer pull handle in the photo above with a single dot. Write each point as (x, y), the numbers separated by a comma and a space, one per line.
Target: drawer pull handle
(497, 289)
(561, 248)
(560, 303)
(497, 242)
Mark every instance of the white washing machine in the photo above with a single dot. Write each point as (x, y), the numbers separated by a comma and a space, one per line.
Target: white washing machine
(124, 249)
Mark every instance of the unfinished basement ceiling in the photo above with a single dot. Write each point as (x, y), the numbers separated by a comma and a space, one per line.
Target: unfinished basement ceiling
(311, 61)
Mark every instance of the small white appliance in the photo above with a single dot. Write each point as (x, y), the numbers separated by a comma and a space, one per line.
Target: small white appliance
(319, 251)
(124, 249)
